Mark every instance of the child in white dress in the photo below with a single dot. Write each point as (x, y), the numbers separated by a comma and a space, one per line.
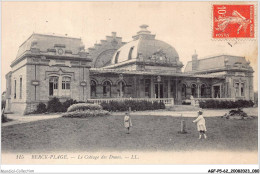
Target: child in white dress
(201, 125)
(127, 122)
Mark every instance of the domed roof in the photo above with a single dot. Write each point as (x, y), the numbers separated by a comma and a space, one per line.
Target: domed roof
(145, 47)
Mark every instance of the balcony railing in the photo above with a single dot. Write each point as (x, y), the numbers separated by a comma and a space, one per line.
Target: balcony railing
(166, 101)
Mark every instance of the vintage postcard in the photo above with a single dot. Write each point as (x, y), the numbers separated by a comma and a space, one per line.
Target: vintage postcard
(130, 83)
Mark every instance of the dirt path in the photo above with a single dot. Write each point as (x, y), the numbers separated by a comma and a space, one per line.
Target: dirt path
(18, 119)
(206, 112)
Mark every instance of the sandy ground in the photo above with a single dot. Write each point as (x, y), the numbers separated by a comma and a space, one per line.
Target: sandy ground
(18, 119)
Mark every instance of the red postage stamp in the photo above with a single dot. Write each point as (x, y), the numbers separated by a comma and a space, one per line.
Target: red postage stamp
(233, 21)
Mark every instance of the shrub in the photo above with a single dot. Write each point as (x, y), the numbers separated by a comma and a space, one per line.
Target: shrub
(186, 103)
(225, 104)
(238, 112)
(83, 107)
(54, 105)
(41, 108)
(67, 104)
(135, 105)
(85, 114)
(3, 118)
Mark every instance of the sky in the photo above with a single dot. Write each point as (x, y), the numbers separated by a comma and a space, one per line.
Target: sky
(187, 26)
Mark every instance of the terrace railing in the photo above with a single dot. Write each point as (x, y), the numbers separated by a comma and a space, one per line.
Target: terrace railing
(217, 99)
(166, 101)
(195, 101)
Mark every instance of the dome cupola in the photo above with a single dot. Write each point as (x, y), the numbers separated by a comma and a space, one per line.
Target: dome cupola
(145, 48)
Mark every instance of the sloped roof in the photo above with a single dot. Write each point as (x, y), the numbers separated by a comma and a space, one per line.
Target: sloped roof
(43, 42)
(215, 62)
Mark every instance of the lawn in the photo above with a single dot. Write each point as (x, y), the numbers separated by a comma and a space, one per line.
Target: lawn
(149, 133)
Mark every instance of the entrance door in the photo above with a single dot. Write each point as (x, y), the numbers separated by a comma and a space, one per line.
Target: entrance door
(158, 87)
(216, 91)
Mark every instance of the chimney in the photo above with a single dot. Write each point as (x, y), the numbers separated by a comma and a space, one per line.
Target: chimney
(195, 61)
(113, 34)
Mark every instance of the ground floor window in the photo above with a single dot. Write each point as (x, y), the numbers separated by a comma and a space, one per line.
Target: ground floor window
(147, 88)
(65, 86)
(21, 85)
(93, 87)
(239, 89)
(59, 86)
(242, 89)
(107, 89)
(203, 90)
(216, 91)
(183, 90)
(53, 86)
(194, 90)
(14, 89)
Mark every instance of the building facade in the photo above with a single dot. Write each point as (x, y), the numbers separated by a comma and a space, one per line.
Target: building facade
(50, 66)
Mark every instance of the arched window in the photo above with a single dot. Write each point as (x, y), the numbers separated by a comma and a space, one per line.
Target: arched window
(53, 86)
(130, 53)
(183, 90)
(194, 90)
(203, 90)
(65, 91)
(93, 86)
(116, 58)
(121, 88)
(107, 89)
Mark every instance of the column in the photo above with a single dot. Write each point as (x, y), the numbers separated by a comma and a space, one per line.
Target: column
(121, 92)
(169, 87)
(176, 88)
(198, 86)
(159, 90)
(134, 93)
(152, 87)
(60, 86)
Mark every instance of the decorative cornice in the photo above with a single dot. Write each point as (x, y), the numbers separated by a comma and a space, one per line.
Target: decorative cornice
(62, 57)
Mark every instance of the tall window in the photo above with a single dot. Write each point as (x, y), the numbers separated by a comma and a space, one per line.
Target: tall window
(107, 89)
(203, 90)
(21, 81)
(65, 86)
(130, 53)
(242, 89)
(237, 89)
(193, 90)
(147, 88)
(183, 90)
(53, 86)
(116, 58)
(14, 89)
(93, 87)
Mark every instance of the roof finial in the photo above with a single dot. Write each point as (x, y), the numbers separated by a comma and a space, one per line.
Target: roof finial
(144, 26)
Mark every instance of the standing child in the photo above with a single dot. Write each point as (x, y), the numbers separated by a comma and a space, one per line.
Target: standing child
(201, 125)
(127, 122)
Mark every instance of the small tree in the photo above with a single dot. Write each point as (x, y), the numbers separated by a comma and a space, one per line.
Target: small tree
(54, 105)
